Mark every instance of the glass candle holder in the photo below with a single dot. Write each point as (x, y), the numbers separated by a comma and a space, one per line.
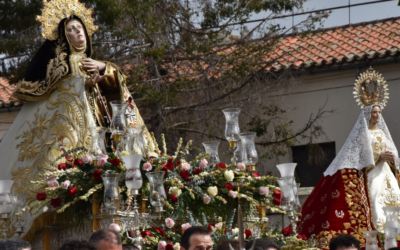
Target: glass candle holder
(390, 237)
(288, 197)
(97, 144)
(211, 148)
(118, 120)
(287, 169)
(137, 145)
(232, 129)
(157, 190)
(249, 152)
(6, 203)
(133, 176)
(111, 194)
(371, 240)
(392, 214)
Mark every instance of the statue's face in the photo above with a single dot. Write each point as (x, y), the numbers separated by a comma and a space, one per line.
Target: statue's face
(76, 33)
(375, 114)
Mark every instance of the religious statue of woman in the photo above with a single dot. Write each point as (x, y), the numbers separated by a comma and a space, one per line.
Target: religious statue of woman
(361, 180)
(66, 93)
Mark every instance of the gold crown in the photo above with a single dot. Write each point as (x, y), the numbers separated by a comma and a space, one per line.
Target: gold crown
(56, 10)
(363, 92)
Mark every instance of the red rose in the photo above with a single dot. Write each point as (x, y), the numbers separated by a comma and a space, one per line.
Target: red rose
(287, 231)
(146, 233)
(174, 198)
(248, 233)
(277, 201)
(62, 166)
(256, 174)
(184, 174)
(41, 196)
(221, 165)
(97, 175)
(165, 170)
(178, 162)
(211, 226)
(71, 166)
(166, 190)
(169, 246)
(69, 158)
(56, 202)
(78, 162)
(228, 186)
(197, 171)
(170, 165)
(115, 162)
(160, 231)
(301, 236)
(72, 191)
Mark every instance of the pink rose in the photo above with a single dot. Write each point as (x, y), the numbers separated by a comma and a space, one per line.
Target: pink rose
(169, 222)
(264, 190)
(102, 161)
(87, 159)
(185, 226)
(203, 163)
(115, 227)
(241, 166)
(103, 156)
(232, 194)
(186, 166)
(65, 184)
(161, 245)
(206, 199)
(54, 184)
(50, 178)
(147, 166)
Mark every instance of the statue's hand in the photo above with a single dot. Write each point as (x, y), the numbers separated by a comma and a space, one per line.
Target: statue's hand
(387, 156)
(95, 78)
(92, 65)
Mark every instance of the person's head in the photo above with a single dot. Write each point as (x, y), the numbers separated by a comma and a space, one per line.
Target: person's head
(106, 239)
(129, 247)
(77, 245)
(14, 244)
(76, 32)
(262, 244)
(224, 245)
(196, 238)
(375, 115)
(344, 242)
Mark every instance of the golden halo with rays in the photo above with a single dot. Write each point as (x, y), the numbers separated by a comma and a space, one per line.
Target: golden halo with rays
(371, 88)
(56, 10)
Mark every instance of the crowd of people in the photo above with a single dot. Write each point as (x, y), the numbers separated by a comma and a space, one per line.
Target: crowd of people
(194, 238)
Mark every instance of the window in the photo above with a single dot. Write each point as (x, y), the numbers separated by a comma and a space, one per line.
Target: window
(312, 161)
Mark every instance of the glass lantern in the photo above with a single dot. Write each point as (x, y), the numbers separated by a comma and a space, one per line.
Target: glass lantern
(118, 120)
(157, 190)
(97, 144)
(136, 140)
(237, 154)
(249, 152)
(390, 237)
(288, 197)
(133, 176)
(124, 145)
(287, 169)
(371, 240)
(392, 214)
(211, 148)
(111, 194)
(232, 129)
(20, 220)
(6, 203)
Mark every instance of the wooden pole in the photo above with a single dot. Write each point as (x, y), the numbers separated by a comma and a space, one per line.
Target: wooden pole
(262, 213)
(46, 239)
(95, 211)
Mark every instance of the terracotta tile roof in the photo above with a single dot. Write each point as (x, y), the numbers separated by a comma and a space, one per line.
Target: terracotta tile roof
(5, 93)
(340, 45)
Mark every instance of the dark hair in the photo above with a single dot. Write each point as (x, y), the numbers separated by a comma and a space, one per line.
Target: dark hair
(185, 240)
(14, 244)
(105, 234)
(129, 247)
(394, 248)
(224, 245)
(262, 244)
(344, 240)
(77, 245)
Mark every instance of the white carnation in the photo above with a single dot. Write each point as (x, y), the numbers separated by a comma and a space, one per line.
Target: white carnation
(212, 191)
(175, 190)
(229, 175)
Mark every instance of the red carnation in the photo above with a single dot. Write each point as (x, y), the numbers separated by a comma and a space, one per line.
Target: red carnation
(211, 226)
(197, 171)
(97, 175)
(71, 166)
(170, 165)
(221, 165)
(184, 174)
(160, 231)
(169, 246)
(69, 158)
(62, 166)
(146, 233)
(248, 233)
(72, 191)
(277, 201)
(228, 186)
(287, 231)
(178, 162)
(174, 198)
(56, 202)
(256, 174)
(78, 162)
(277, 194)
(41, 196)
(115, 162)
(301, 236)
(165, 170)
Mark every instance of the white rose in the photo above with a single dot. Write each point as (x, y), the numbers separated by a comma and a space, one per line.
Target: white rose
(175, 190)
(212, 191)
(177, 246)
(229, 175)
(218, 225)
(235, 230)
(152, 154)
